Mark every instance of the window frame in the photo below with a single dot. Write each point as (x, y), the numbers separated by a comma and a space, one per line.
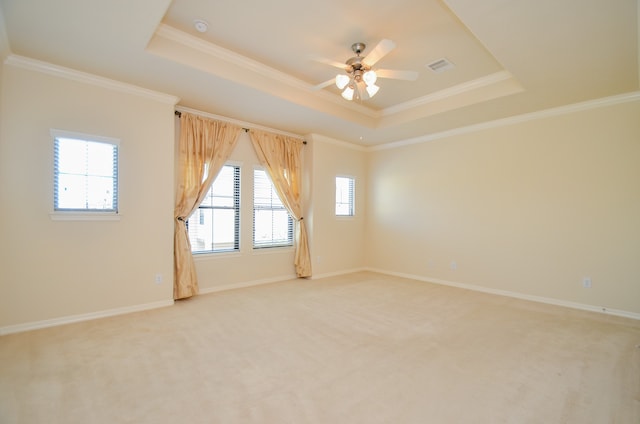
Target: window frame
(81, 214)
(290, 221)
(237, 208)
(352, 201)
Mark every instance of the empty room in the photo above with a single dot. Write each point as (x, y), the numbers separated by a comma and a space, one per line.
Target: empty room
(410, 211)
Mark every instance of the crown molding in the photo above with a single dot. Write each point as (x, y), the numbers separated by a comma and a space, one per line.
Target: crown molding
(318, 138)
(187, 40)
(449, 92)
(167, 39)
(547, 113)
(242, 124)
(211, 49)
(86, 78)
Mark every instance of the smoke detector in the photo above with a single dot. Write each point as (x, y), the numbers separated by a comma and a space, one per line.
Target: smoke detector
(200, 25)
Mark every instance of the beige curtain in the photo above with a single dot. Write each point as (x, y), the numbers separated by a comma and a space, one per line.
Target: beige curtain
(281, 156)
(204, 147)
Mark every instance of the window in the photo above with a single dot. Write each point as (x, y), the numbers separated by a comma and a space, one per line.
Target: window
(345, 193)
(215, 225)
(272, 224)
(85, 173)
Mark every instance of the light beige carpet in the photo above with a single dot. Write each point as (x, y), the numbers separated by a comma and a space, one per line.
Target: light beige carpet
(361, 348)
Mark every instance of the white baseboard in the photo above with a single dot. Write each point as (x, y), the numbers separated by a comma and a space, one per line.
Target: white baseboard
(18, 328)
(539, 299)
(337, 273)
(36, 325)
(243, 284)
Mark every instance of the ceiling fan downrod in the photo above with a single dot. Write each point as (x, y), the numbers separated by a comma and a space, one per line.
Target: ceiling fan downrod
(355, 64)
(358, 48)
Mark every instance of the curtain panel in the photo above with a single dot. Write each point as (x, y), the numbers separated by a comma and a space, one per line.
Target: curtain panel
(204, 147)
(281, 156)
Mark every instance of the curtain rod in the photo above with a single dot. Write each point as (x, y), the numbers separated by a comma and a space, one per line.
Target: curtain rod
(179, 114)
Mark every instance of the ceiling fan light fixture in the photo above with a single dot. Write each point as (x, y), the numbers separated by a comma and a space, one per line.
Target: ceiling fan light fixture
(342, 80)
(370, 77)
(358, 75)
(372, 89)
(348, 93)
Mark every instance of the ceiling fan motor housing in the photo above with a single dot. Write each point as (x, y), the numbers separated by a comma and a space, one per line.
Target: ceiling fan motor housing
(355, 64)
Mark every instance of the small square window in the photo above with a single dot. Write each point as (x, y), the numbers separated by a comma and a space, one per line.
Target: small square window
(345, 194)
(85, 176)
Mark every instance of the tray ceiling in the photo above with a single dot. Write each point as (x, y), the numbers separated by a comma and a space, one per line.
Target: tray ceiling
(255, 62)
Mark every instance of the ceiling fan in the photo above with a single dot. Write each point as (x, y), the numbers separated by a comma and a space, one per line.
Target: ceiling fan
(359, 79)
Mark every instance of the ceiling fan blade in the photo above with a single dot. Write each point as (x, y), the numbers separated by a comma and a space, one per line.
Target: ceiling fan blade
(395, 74)
(322, 85)
(379, 51)
(329, 62)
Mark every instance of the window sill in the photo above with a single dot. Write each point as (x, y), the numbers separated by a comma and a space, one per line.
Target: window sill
(84, 216)
(203, 256)
(271, 250)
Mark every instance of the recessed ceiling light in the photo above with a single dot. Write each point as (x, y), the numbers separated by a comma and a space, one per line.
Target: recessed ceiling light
(200, 25)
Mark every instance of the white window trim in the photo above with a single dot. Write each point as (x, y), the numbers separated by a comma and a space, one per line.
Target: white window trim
(81, 215)
(84, 216)
(274, 250)
(203, 256)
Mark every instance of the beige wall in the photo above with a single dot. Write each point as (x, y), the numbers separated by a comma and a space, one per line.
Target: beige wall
(4, 41)
(324, 159)
(4, 52)
(53, 269)
(336, 242)
(529, 208)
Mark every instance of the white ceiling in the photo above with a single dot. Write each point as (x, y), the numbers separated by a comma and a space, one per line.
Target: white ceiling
(255, 63)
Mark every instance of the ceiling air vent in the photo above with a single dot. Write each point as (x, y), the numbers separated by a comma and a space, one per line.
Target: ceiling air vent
(441, 65)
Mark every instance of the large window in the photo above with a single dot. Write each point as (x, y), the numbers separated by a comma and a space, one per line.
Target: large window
(85, 173)
(215, 225)
(345, 193)
(272, 224)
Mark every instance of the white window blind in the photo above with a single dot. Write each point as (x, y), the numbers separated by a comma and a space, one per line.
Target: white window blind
(345, 195)
(85, 175)
(215, 225)
(272, 224)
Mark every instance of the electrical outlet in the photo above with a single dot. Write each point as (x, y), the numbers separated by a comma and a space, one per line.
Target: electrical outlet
(158, 279)
(586, 282)
(454, 265)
